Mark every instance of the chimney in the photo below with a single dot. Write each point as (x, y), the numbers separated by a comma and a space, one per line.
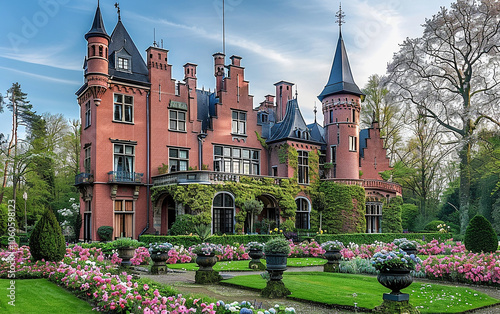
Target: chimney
(283, 95)
(235, 60)
(219, 72)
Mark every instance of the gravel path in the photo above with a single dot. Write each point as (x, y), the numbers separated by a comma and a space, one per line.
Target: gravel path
(184, 282)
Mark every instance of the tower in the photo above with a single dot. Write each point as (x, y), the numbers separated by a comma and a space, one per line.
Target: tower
(341, 105)
(96, 65)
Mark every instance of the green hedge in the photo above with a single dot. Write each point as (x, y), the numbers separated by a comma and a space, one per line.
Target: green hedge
(188, 241)
(185, 240)
(241, 239)
(369, 238)
(4, 240)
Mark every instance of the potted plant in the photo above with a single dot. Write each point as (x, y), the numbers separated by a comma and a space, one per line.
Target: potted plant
(410, 247)
(394, 272)
(159, 254)
(206, 255)
(126, 248)
(332, 254)
(276, 251)
(256, 253)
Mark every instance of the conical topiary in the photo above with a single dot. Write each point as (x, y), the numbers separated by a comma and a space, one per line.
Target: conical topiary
(47, 241)
(479, 236)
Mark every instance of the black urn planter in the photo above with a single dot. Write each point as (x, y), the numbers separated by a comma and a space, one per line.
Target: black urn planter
(333, 256)
(256, 255)
(395, 279)
(206, 262)
(159, 263)
(276, 265)
(126, 254)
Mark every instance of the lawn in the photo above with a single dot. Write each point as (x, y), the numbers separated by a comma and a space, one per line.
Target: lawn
(243, 265)
(347, 289)
(40, 296)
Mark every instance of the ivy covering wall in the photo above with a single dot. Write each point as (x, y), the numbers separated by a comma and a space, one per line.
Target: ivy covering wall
(391, 216)
(345, 208)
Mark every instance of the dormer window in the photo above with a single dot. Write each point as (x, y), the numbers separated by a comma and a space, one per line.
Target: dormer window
(123, 64)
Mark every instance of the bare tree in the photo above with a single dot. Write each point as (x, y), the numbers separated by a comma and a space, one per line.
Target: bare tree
(380, 105)
(451, 73)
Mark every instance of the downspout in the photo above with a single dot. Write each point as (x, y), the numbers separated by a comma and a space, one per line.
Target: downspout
(201, 137)
(148, 164)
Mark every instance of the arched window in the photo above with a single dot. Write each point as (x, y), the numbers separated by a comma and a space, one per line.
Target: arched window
(302, 214)
(100, 51)
(223, 213)
(93, 51)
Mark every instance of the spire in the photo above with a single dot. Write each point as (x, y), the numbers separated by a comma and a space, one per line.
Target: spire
(315, 111)
(97, 26)
(341, 79)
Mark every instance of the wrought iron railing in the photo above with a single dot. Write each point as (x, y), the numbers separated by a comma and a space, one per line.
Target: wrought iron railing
(84, 178)
(124, 177)
(209, 177)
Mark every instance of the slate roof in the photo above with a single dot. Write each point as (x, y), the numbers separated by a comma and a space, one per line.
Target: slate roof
(206, 108)
(123, 43)
(97, 26)
(291, 123)
(341, 79)
(317, 132)
(364, 135)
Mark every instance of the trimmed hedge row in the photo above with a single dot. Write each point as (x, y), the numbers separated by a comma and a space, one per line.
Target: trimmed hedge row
(368, 238)
(185, 240)
(188, 240)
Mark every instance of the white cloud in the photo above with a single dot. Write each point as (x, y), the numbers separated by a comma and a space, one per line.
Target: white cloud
(52, 57)
(42, 77)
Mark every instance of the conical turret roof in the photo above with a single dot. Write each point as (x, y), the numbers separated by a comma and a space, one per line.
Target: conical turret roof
(97, 26)
(341, 80)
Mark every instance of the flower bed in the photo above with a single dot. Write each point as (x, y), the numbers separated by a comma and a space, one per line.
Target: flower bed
(438, 248)
(88, 274)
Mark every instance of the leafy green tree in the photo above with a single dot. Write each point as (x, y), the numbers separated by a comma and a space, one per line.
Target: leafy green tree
(391, 216)
(253, 208)
(46, 240)
(448, 74)
(409, 213)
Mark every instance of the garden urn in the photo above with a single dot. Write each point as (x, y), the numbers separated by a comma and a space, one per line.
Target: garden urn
(395, 279)
(206, 262)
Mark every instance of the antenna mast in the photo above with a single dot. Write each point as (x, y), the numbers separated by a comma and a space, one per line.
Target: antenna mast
(223, 29)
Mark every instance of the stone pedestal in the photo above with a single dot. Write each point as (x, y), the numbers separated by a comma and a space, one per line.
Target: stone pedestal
(395, 307)
(207, 277)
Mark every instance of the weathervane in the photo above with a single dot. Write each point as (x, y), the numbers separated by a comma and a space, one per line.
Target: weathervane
(340, 17)
(117, 6)
(315, 111)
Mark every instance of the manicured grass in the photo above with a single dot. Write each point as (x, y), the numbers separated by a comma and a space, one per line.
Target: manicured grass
(40, 296)
(243, 265)
(346, 289)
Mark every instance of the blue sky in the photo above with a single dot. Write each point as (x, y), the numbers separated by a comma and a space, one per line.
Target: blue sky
(42, 43)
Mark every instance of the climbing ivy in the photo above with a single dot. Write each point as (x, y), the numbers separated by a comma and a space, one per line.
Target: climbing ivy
(313, 166)
(391, 216)
(345, 208)
(261, 140)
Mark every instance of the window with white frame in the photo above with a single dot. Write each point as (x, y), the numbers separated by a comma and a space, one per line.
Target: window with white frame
(236, 160)
(124, 108)
(177, 120)
(302, 214)
(373, 217)
(178, 159)
(223, 214)
(352, 143)
(123, 219)
(88, 115)
(123, 64)
(303, 167)
(124, 162)
(239, 122)
(87, 160)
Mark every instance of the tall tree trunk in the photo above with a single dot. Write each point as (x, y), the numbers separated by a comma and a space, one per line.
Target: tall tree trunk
(464, 186)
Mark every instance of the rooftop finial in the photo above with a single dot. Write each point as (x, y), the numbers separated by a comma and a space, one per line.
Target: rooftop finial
(296, 92)
(340, 17)
(315, 111)
(117, 6)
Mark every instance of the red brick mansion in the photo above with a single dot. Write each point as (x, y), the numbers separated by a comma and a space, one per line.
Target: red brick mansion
(143, 130)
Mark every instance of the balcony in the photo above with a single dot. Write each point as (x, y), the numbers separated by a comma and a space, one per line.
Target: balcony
(207, 177)
(125, 177)
(372, 184)
(84, 178)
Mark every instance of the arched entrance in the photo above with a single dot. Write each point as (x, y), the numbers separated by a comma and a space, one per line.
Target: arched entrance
(269, 218)
(167, 214)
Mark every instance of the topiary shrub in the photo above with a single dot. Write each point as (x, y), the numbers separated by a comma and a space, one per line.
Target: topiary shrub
(183, 225)
(433, 226)
(479, 236)
(47, 240)
(409, 213)
(105, 233)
